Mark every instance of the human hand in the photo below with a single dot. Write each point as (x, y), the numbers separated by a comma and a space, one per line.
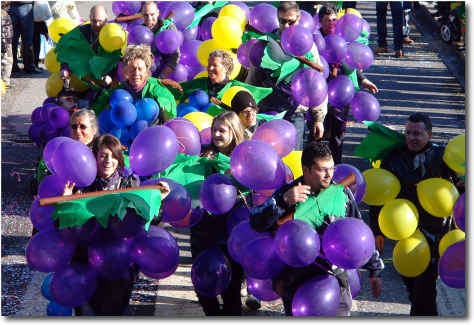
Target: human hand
(107, 79)
(68, 188)
(63, 74)
(172, 84)
(375, 286)
(165, 190)
(318, 130)
(367, 84)
(379, 243)
(297, 194)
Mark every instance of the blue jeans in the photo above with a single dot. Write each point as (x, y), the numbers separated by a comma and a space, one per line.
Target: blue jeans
(22, 19)
(397, 23)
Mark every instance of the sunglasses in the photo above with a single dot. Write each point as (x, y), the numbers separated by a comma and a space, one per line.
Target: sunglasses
(284, 21)
(82, 126)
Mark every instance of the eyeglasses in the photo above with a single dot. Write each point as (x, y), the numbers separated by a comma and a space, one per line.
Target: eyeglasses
(325, 170)
(284, 21)
(82, 126)
(248, 112)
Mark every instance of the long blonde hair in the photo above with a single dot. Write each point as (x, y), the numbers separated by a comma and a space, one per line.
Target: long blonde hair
(236, 129)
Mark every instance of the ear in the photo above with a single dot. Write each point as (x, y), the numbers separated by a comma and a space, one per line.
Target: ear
(305, 170)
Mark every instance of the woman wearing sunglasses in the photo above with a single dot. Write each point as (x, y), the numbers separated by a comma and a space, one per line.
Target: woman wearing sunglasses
(84, 126)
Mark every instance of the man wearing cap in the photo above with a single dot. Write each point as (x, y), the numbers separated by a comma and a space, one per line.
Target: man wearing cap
(244, 105)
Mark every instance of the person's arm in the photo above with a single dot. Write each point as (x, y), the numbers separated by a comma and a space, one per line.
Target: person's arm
(366, 83)
(318, 113)
(375, 266)
(65, 71)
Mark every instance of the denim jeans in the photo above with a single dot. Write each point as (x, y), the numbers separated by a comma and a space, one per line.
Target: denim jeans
(397, 23)
(22, 19)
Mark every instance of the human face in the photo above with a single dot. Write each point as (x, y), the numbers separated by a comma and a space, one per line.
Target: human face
(66, 102)
(248, 116)
(136, 73)
(98, 20)
(286, 19)
(416, 136)
(221, 135)
(215, 70)
(319, 176)
(106, 162)
(150, 16)
(79, 133)
(328, 24)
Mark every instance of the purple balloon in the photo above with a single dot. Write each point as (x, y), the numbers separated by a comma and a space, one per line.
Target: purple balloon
(189, 53)
(256, 165)
(136, 22)
(211, 272)
(459, 212)
(155, 250)
(48, 251)
(191, 219)
(206, 136)
(359, 56)
(167, 41)
(278, 133)
(177, 204)
(148, 156)
(319, 40)
(120, 75)
(140, 35)
(317, 24)
(183, 14)
(49, 152)
(206, 28)
(296, 40)
(349, 26)
(358, 188)
(325, 67)
(218, 194)
(236, 216)
(41, 216)
(264, 18)
(179, 74)
(59, 117)
(125, 24)
(239, 237)
(190, 34)
(260, 259)
(50, 186)
(297, 243)
(84, 234)
(48, 132)
(65, 132)
(126, 7)
(188, 135)
(131, 225)
(45, 110)
(348, 243)
(193, 71)
(109, 256)
(307, 21)
(452, 265)
(75, 162)
(73, 285)
(336, 48)
(161, 275)
(355, 281)
(318, 296)
(50, 100)
(33, 132)
(340, 91)
(308, 87)
(366, 28)
(261, 289)
(256, 53)
(243, 52)
(258, 199)
(163, 8)
(36, 115)
(365, 107)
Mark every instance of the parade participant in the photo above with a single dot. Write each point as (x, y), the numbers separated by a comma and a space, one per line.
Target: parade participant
(84, 126)
(418, 160)
(150, 13)
(137, 62)
(244, 105)
(226, 133)
(318, 168)
(111, 297)
(280, 99)
(69, 99)
(220, 66)
(336, 119)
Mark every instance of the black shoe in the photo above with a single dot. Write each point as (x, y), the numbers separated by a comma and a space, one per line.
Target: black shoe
(253, 303)
(436, 14)
(15, 68)
(33, 70)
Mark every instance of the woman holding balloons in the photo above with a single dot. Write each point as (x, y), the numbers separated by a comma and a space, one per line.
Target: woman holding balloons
(111, 297)
(211, 230)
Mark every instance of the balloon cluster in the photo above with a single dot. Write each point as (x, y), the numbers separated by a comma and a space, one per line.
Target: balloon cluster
(48, 122)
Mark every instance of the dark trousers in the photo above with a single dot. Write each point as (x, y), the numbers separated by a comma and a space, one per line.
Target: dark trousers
(231, 296)
(397, 23)
(422, 291)
(38, 30)
(334, 130)
(22, 19)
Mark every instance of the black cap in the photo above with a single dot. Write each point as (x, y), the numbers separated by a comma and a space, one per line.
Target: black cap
(241, 101)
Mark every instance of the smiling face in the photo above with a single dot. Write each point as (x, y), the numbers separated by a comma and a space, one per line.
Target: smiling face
(287, 18)
(248, 116)
(216, 70)
(136, 73)
(417, 136)
(98, 18)
(319, 176)
(328, 24)
(106, 162)
(221, 135)
(150, 16)
(81, 129)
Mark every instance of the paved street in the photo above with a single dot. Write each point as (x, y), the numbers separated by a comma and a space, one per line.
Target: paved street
(429, 78)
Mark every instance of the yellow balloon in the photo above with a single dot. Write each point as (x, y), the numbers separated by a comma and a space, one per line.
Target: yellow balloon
(54, 84)
(411, 256)
(398, 219)
(52, 65)
(125, 44)
(206, 48)
(86, 22)
(293, 160)
(450, 238)
(235, 12)
(3, 88)
(381, 186)
(237, 67)
(200, 120)
(227, 32)
(78, 84)
(60, 26)
(230, 93)
(437, 196)
(350, 11)
(112, 37)
(376, 164)
(455, 154)
(202, 74)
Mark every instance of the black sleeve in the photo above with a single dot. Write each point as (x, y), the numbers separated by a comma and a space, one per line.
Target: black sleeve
(360, 76)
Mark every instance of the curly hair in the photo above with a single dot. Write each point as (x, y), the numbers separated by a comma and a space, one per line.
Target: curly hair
(315, 150)
(138, 52)
(226, 59)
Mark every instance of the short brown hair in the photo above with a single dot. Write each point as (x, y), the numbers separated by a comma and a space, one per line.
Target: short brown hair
(226, 59)
(113, 144)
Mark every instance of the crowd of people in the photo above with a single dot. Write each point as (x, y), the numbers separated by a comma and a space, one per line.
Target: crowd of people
(418, 160)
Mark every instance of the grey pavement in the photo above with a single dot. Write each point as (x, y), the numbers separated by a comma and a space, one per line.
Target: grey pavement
(429, 78)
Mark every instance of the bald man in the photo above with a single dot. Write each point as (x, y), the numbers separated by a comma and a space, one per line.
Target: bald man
(151, 14)
(98, 19)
